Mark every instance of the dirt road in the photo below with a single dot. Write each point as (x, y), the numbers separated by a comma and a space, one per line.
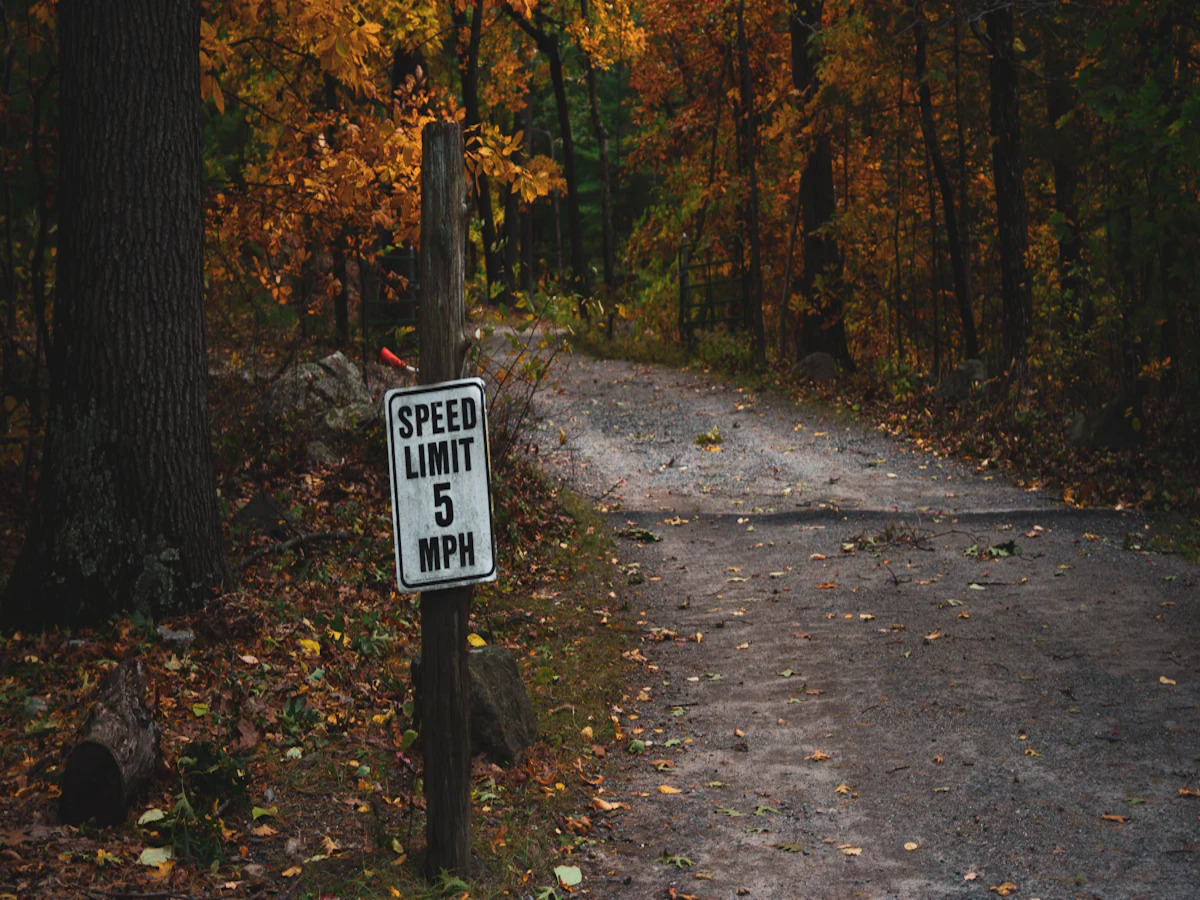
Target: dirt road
(873, 673)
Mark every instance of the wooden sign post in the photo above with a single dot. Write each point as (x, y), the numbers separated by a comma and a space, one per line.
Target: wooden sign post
(444, 686)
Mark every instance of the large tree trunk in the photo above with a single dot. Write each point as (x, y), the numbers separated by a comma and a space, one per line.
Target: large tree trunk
(822, 328)
(958, 261)
(1008, 172)
(126, 511)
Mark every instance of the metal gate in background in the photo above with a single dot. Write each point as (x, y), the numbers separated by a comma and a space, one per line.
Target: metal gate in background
(712, 287)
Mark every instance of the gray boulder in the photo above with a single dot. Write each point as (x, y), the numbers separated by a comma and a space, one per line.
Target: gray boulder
(961, 382)
(502, 720)
(331, 383)
(819, 367)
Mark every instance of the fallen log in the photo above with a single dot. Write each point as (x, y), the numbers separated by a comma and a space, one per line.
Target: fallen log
(116, 754)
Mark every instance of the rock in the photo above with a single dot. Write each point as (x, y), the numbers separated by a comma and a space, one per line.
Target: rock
(348, 418)
(318, 386)
(502, 721)
(1116, 426)
(174, 639)
(317, 455)
(263, 514)
(959, 384)
(819, 367)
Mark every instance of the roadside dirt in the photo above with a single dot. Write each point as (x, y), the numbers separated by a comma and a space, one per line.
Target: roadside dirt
(867, 672)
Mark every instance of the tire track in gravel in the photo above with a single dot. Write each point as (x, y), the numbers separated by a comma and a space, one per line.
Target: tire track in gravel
(850, 694)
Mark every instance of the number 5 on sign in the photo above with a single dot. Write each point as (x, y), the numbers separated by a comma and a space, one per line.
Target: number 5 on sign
(441, 485)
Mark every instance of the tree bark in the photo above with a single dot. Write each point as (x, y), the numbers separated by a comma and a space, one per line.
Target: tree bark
(116, 754)
(1004, 111)
(958, 261)
(823, 327)
(126, 510)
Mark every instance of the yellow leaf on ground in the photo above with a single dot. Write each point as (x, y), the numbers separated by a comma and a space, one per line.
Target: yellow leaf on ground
(1163, 679)
(310, 647)
(818, 756)
(292, 872)
(1004, 889)
(1188, 792)
(910, 846)
(1112, 817)
(850, 851)
(933, 635)
(667, 789)
(842, 788)
(475, 640)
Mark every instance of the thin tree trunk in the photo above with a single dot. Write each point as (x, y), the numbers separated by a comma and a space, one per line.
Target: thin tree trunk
(958, 262)
(754, 312)
(126, 512)
(1064, 148)
(498, 278)
(1008, 169)
(823, 327)
(608, 238)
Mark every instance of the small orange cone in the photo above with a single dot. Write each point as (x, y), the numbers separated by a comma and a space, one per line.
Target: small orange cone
(388, 358)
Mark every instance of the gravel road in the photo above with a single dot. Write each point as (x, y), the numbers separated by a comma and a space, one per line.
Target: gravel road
(870, 672)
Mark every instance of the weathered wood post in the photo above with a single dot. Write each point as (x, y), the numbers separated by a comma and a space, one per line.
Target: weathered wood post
(444, 685)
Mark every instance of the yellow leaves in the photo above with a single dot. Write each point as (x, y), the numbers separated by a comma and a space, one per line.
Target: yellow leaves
(842, 788)
(310, 647)
(292, 871)
(818, 756)
(850, 850)
(667, 789)
(910, 846)
(475, 640)
(1188, 792)
(1113, 817)
(1163, 679)
(933, 636)
(1004, 889)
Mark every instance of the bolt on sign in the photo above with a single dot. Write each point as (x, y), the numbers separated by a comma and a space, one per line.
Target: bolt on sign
(441, 485)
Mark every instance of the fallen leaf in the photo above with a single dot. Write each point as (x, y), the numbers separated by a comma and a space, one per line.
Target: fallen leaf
(828, 585)
(1188, 792)
(1163, 679)
(866, 617)
(790, 848)
(933, 635)
(971, 876)
(818, 756)
(1004, 889)
(155, 856)
(475, 640)
(151, 815)
(263, 830)
(292, 872)
(602, 805)
(910, 846)
(310, 647)
(667, 789)
(842, 788)
(850, 851)
(569, 876)
(1112, 817)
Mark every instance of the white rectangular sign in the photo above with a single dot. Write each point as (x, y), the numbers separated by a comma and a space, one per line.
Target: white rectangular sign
(441, 485)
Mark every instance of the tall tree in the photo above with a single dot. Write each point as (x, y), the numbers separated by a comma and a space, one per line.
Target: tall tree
(126, 511)
(1008, 169)
(545, 36)
(499, 277)
(958, 260)
(749, 125)
(822, 328)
